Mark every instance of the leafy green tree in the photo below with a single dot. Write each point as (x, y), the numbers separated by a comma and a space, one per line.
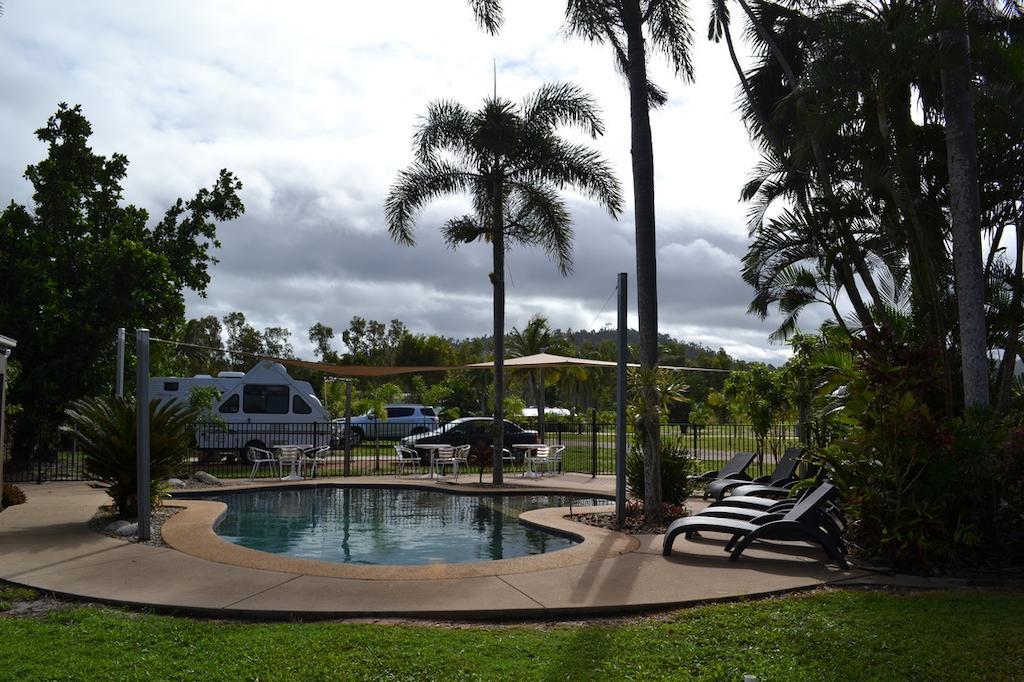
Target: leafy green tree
(320, 335)
(760, 394)
(511, 162)
(372, 342)
(81, 263)
(206, 332)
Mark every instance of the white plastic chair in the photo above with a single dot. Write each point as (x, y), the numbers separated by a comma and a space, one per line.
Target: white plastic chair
(555, 458)
(258, 456)
(314, 457)
(290, 456)
(536, 459)
(406, 457)
(445, 457)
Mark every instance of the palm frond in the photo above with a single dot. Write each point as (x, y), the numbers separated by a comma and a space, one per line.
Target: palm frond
(671, 33)
(538, 216)
(557, 104)
(416, 186)
(488, 14)
(446, 127)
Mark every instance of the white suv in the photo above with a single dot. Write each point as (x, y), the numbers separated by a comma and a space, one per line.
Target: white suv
(402, 420)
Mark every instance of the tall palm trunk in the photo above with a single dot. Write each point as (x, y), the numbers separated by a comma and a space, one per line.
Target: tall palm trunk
(1009, 361)
(646, 243)
(498, 245)
(965, 207)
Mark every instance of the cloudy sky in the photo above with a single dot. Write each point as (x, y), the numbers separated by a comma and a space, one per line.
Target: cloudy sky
(313, 107)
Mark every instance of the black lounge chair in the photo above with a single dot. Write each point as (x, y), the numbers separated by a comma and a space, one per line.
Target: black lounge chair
(734, 469)
(806, 520)
(785, 472)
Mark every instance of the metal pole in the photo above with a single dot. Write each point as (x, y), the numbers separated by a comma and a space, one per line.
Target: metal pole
(620, 409)
(3, 411)
(119, 379)
(348, 427)
(541, 408)
(142, 417)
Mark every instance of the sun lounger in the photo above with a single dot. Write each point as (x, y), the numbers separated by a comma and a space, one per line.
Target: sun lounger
(785, 472)
(806, 520)
(734, 469)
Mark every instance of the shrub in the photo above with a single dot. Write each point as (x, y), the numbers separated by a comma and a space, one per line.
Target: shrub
(12, 495)
(676, 468)
(106, 432)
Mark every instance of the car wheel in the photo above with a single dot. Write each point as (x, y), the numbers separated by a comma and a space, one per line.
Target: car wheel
(356, 438)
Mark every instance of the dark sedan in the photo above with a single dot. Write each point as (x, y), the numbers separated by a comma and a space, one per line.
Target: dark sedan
(475, 432)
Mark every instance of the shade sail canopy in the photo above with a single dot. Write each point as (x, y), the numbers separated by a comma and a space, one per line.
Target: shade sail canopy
(538, 361)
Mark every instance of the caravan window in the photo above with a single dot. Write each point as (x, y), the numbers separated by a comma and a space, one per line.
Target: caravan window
(170, 385)
(265, 399)
(299, 406)
(230, 405)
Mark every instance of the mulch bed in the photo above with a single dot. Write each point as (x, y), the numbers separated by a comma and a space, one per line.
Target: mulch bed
(636, 522)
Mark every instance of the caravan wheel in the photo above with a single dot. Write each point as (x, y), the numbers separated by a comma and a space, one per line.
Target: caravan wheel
(243, 454)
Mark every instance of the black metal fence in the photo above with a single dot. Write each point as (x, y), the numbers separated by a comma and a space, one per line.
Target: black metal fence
(589, 448)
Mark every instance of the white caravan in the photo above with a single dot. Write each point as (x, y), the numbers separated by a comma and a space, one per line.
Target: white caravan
(262, 407)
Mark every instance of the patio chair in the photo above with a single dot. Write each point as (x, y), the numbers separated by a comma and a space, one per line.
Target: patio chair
(805, 521)
(785, 472)
(314, 457)
(445, 457)
(258, 456)
(538, 458)
(734, 469)
(406, 457)
(290, 456)
(555, 458)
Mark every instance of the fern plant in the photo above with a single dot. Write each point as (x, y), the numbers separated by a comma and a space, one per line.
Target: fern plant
(105, 428)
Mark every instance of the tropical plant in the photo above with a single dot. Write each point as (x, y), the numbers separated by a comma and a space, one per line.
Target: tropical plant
(760, 394)
(511, 162)
(106, 430)
(861, 161)
(678, 467)
(631, 28)
(11, 495)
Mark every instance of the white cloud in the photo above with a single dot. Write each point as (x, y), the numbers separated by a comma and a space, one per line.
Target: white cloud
(313, 107)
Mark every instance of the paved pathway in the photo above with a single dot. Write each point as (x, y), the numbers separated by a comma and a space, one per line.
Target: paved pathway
(46, 544)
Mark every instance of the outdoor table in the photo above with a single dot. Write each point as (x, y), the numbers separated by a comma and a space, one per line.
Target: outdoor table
(433, 448)
(294, 475)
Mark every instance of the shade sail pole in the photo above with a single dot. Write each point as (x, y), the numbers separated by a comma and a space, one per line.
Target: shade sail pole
(620, 408)
(142, 434)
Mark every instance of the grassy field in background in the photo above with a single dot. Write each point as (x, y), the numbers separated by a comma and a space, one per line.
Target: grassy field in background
(837, 635)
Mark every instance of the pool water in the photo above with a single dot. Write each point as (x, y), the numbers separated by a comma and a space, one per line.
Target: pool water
(403, 526)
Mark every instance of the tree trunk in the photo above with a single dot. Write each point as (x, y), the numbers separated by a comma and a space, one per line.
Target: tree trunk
(1009, 361)
(965, 208)
(646, 244)
(498, 276)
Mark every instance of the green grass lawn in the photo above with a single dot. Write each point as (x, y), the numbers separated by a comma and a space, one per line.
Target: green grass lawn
(836, 635)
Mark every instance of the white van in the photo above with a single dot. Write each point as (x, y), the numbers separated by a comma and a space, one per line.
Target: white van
(262, 407)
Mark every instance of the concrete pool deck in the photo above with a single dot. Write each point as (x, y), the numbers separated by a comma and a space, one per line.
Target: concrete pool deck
(46, 544)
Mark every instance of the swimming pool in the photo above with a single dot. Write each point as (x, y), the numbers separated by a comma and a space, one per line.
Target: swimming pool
(403, 526)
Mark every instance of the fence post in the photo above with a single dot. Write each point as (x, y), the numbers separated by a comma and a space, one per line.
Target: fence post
(593, 443)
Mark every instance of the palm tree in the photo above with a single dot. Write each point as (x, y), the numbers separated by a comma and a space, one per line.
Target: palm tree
(630, 27)
(511, 162)
(537, 337)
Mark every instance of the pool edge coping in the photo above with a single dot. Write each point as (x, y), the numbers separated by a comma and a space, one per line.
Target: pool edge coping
(191, 531)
